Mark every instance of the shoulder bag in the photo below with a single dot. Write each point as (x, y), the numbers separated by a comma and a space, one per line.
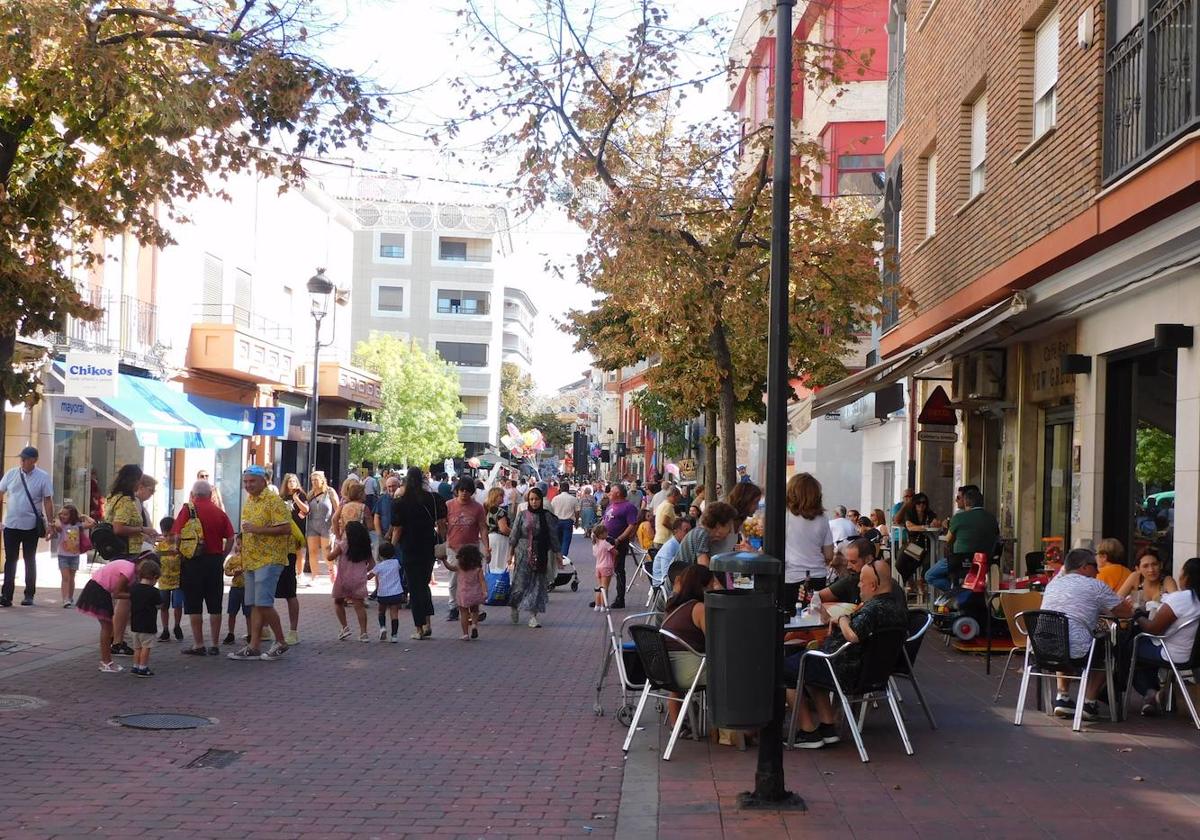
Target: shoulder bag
(40, 524)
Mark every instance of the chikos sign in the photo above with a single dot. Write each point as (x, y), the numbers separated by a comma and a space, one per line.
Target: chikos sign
(90, 375)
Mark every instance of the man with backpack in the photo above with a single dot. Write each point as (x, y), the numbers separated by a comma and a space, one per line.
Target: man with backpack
(202, 560)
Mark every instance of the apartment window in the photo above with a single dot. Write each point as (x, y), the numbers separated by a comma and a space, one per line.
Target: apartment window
(462, 353)
(452, 249)
(1126, 15)
(1045, 74)
(463, 302)
(860, 175)
(390, 298)
(978, 145)
(931, 195)
(391, 246)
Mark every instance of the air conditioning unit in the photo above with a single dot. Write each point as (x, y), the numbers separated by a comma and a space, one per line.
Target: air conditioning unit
(962, 377)
(988, 375)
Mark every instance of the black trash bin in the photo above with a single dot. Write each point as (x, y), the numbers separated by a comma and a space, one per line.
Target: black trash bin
(739, 640)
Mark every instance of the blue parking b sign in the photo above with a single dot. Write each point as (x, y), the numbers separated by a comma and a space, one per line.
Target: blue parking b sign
(271, 422)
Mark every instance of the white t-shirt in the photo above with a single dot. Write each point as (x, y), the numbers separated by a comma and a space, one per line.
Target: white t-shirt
(387, 575)
(1178, 642)
(843, 529)
(565, 506)
(804, 547)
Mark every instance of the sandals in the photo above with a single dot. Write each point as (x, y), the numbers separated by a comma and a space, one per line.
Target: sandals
(110, 668)
(194, 651)
(345, 634)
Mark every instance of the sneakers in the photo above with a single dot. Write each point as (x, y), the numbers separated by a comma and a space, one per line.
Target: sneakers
(122, 649)
(345, 634)
(26, 602)
(809, 740)
(141, 672)
(482, 617)
(383, 634)
(67, 604)
(1063, 707)
(395, 638)
(516, 615)
(165, 635)
(828, 733)
(214, 651)
(276, 652)
(228, 640)
(292, 638)
(1091, 710)
(533, 622)
(453, 614)
(178, 633)
(474, 632)
(364, 637)
(245, 653)
(416, 636)
(110, 668)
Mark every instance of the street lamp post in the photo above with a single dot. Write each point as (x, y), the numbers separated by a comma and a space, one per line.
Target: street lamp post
(319, 289)
(769, 788)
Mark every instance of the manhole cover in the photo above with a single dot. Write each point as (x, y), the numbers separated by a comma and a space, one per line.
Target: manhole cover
(215, 758)
(12, 702)
(157, 720)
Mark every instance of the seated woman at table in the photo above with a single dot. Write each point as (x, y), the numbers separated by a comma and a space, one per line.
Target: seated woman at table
(1147, 582)
(879, 611)
(1177, 609)
(685, 618)
(1110, 554)
(715, 525)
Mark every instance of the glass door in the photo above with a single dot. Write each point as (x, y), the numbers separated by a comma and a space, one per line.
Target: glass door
(1056, 479)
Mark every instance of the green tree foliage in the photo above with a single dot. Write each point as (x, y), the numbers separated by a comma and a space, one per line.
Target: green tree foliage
(112, 113)
(1155, 457)
(678, 216)
(516, 393)
(420, 409)
(657, 415)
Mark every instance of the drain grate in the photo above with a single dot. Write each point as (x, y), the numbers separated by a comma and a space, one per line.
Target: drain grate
(13, 702)
(162, 720)
(215, 758)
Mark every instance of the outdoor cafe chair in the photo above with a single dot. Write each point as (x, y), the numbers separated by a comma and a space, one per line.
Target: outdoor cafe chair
(1013, 604)
(879, 655)
(1048, 654)
(1180, 672)
(651, 644)
(919, 621)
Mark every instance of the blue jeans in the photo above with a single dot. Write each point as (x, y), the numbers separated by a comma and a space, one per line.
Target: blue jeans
(566, 528)
(1145, 673)
(938, 575)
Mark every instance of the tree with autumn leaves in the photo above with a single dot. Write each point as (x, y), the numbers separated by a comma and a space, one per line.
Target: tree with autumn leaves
(677, 215)
(114, 115)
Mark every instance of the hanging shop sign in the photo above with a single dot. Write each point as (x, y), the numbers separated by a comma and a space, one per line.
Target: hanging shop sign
(938, 410)
(937, 435)
(90, 375)
(271, 422)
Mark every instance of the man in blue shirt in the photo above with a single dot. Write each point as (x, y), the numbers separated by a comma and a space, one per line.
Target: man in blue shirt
(670, 550)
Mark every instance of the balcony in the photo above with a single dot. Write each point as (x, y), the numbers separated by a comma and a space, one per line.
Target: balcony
(342, 383)
(234, 342)
(127, 326)
(1150, 84)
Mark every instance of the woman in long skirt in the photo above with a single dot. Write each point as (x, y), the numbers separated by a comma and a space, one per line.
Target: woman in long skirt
(535, 559)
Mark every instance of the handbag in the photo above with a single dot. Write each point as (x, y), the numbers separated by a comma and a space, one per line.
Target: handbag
(498, 586)
(85, 540)
(40, 523)
(910, 559)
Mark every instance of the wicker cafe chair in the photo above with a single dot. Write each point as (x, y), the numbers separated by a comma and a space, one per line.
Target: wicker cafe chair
(880, 653)
(1012, 604)
(1048, 654)
(1189, 671)
(651, 643)
(919, 621)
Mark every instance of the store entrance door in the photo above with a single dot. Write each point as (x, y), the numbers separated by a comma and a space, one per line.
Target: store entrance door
(1058, 437)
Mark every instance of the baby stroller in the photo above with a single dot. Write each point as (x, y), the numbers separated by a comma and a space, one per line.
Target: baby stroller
(567, 574)
(620, 653)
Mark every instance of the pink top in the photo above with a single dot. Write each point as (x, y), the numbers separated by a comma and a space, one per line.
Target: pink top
(107, 574)
(606, 556)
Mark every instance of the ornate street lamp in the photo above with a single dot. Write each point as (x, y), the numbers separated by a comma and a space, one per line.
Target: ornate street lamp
(320, 288)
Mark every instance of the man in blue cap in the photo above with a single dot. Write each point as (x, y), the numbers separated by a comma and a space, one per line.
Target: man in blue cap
(28, 518)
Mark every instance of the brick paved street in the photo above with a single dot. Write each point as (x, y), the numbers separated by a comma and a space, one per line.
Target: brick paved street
(497, 738)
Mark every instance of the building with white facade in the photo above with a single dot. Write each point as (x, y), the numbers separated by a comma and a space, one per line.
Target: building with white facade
(519, 317)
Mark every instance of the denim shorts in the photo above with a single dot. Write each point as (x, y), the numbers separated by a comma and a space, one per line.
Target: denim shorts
(260, 585)
(174, 597)
(68, 562)
(237, 601)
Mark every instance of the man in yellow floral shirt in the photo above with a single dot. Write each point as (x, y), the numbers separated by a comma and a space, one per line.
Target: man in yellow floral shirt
(266, 534)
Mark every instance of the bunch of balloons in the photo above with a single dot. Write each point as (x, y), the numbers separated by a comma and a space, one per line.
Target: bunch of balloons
(523, 444)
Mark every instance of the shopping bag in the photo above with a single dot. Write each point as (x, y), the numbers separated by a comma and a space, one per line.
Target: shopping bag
(498, 584)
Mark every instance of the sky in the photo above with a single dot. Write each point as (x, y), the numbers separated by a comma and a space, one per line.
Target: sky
(408, 46)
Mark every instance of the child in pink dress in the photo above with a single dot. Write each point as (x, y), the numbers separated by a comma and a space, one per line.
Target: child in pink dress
(605, 554)
(472, 589)
(109, 583)
(350, 585)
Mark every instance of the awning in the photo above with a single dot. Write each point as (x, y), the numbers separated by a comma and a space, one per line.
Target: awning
(335, 425)
(234, 418)
(161, 416)
(972, 332)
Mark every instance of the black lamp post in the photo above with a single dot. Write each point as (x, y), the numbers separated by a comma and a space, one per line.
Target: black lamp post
(320, 288)
(769, 789)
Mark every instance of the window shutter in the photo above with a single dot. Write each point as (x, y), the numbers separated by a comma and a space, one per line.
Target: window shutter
(931, 195)
(214, 281)
(242, 294)
(979, 131)
(1045, 56)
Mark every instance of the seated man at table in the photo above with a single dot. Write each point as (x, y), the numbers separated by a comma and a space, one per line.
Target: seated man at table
(669, 551)
(1078, 594)
(845, 589)
(879, 611)
(971, 530)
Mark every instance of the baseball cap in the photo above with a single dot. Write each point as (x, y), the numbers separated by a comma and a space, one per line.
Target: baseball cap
(29, 452)
(255, 469)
